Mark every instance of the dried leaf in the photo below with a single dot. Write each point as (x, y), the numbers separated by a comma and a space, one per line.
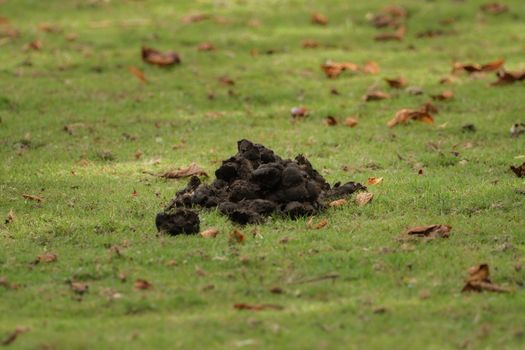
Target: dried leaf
(334, 69)
(374, 180)
(79, 287)
(478, 68)
(236, 236)
(371, 67)
(161, 59)
(330, 121)
(494, 8)
(338, 203)
(405, 115)
(138, 74)
(210, 233)
(225, 80)
(519, 170)
(192, 170)
(446, 80)
(376, 96)
(398, 35)
(321, 224)
(309, 44)
(479, 280)
(46, 258)
(196, 17)
(351, 122)
(299, 112)
(396, 83)
(12, 337)
(445, 95)
(319, 19)
(431, 231)
(507, 77)
(363, 198)
(142, 284)
(206, 46)
(10, 217)
(36, 45)
(390, 16)
(257, 307)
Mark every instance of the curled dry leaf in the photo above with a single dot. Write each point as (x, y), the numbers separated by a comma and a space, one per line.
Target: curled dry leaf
(236, 236)
(338, 203)
(445, 95)
(479, 280)
(363, 198)
(161, 59)
(225, 80)
(351, 122)
(138, 74)
(206, 46)
(319, 19)
(142, 284)
(371, 67)
(13, 335)
(311, 225)
(334, 69)
(446, 80)
(195, 17)
(494, 8)
(309, 44)
(79, 287)
(47, 257)
(257, 307)
(508, 77)
(374, 180)
(518, 170)
(405, 115)
(299, 112)
(376, 96)
(398, 35)
(428, 107)
(431, 231)
(35, 45)
(391, 16)
(192, 170)
(32, 197)
(330, 121)
(396, 83)
(476, 67)
(210, 233)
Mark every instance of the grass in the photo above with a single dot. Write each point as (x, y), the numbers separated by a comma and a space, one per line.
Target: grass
(388, 294)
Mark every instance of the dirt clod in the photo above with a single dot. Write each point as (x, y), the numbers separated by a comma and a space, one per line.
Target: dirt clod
(253, 184)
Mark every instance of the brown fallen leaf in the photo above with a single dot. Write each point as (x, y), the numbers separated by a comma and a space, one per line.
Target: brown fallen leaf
(428, 107)
(192, 170)
(161, 59)
(142, 284)
(446, 80)
(10, 217)
(299, 112)
(391, 16)
(225, 80)
(210, 233)
(338, 203)
(47, 257)
(236, 236)
(405, 115)
(330, 121)
(4, 282)
(477, 68)
(396, 83)
(35, 45)
(257, 307)
(206, 46)
(494, 8)
(13, 335)
(138, 74)
(319, 19)
(363, 198)
(351, 122)
(49, 28)
(508, 77)
(445, 95)
(371, 67)
(375, 96)
(309, 44)
(374, 180)
(79, 287)
(334, 69)
(431, 231)
(310, 224)
(398, 35)
(479, 280)
(195, 17)
(518, 170)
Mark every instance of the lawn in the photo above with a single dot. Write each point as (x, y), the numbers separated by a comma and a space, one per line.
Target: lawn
(81, 132)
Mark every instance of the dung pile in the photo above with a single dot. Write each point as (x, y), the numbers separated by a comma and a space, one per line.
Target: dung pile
(250, 186)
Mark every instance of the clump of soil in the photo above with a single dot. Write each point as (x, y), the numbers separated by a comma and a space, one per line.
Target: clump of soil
(252, 185)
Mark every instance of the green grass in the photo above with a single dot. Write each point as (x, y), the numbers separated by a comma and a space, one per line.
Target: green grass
(89, 206)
